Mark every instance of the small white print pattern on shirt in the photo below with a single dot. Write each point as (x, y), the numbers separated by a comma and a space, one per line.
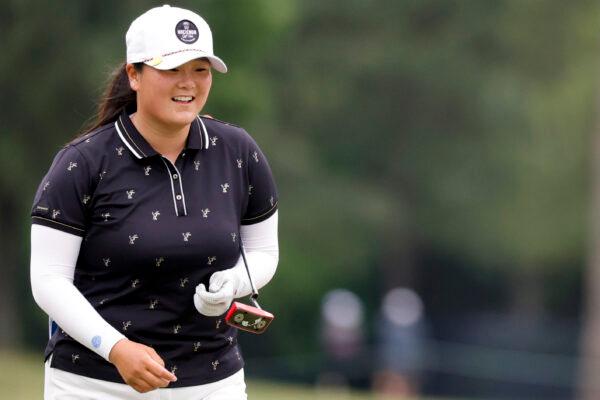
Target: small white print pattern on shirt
(230, 340)
(102, 174)
(183, 282)
(155, 215)
(120, 150)
(105, 216)
(130, 194)
(272, 201)
(205, 212)
(134, 283)
(159, 261)
(239, 163)
(250, 190)
(196, 165)
(197, 346)
(86, 198)
(46, 186)
(126, 325)
(132, 238)
(72, 165)
(174, 369)
(215, 364)
(106, 262)
(255, 156)
(147, 170)
(153, 304)
(218, 324)
(211, 260)
(176, 329)
(55, 213)
(233, 236)
(225, 186)
(213, 140)
(74, 358)
(186, 236)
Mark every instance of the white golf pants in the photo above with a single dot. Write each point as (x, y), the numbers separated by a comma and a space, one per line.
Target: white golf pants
(62, 385)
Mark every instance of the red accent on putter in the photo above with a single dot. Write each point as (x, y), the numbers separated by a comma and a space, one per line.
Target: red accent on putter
(248, 318)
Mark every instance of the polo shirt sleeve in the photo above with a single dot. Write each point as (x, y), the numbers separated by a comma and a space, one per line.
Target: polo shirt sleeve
(60, 200)
(262, 191)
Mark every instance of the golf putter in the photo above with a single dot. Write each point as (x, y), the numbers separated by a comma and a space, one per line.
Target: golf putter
(248, 318)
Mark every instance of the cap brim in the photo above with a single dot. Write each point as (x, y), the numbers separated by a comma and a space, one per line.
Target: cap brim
(175, 60)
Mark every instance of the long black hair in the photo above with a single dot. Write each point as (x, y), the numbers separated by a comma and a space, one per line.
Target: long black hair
(117, 96)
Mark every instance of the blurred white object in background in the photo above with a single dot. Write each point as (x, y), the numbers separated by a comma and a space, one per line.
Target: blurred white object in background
(342, 338)
(402, 307)
(399, 333)
(342, 309)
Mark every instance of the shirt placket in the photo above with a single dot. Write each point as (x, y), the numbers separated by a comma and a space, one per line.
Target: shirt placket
(176, 187)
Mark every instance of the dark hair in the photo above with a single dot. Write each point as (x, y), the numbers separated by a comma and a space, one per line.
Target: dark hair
(117, 96)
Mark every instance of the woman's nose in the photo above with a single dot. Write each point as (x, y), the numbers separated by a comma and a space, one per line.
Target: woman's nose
(186, 80)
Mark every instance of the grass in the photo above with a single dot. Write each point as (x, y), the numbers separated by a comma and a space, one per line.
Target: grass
(276, 391)
(22, 378)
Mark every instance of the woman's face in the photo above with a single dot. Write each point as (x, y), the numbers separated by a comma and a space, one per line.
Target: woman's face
(172, 98)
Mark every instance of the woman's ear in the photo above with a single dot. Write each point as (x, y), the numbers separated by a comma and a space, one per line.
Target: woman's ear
(133, 76)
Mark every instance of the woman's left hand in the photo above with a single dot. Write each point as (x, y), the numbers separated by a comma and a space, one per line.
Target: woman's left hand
(223, 288)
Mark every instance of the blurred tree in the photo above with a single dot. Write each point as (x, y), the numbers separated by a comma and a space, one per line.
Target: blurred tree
(449, 125)
(465, 114)
(589, 386)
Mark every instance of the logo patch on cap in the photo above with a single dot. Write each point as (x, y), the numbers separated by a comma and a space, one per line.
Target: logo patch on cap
(186, 31)
(155, 61)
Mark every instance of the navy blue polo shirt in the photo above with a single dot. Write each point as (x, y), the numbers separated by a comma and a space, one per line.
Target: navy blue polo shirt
(153, 230)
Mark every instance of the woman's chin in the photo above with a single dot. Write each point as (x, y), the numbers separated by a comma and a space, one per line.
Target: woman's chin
(183, 117)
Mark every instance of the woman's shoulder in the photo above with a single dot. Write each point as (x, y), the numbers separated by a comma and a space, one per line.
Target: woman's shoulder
(226, 131)
(94, 135)
(223, 127)
(212, 120)
(88, 148)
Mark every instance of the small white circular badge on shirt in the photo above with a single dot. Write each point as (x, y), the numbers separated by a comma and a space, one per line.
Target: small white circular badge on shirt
(186, 31)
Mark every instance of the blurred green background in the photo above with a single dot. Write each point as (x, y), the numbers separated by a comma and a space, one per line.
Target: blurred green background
(447, 148)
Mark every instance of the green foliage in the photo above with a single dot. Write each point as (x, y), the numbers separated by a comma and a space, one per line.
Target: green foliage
(473, 115)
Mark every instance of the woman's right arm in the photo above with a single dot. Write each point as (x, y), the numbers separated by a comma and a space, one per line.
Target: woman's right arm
(53, 258)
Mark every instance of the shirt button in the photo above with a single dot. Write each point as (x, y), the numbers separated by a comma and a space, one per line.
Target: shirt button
(175, 176)
(178, 197)
(182, 154)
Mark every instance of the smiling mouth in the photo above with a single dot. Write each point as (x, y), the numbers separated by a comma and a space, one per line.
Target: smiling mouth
(183, 99)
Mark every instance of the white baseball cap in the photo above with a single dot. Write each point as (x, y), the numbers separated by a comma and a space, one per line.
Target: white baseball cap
(166, 37)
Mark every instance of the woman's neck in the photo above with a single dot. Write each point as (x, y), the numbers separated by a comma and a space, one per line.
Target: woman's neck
(167, 141)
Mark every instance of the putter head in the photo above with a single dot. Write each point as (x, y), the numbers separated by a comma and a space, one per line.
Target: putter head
(248, 318)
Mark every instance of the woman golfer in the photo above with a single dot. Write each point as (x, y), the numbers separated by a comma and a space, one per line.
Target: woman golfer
(137, 227)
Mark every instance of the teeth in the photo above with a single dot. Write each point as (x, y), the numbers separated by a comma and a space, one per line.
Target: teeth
(183, 98)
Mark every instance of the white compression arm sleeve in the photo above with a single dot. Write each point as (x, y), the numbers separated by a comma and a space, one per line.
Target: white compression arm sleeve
(53, 257)
(262, 254)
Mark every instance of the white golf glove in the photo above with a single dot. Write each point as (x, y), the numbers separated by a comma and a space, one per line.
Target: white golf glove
(224, 286)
